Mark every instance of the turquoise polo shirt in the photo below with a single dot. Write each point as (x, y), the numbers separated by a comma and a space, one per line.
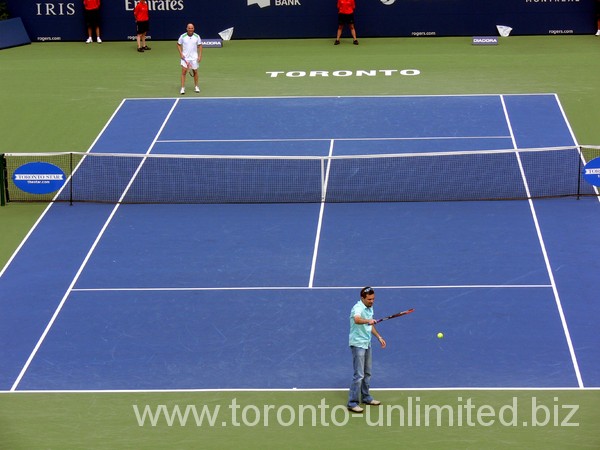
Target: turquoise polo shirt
(360, 335)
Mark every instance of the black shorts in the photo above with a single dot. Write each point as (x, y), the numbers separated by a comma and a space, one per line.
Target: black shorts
(92, 17)
(142, 27)
(345, 19)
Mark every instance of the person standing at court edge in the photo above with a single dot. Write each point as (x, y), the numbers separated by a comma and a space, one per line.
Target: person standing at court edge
(346, 17)
(91, 12)
(142, 24)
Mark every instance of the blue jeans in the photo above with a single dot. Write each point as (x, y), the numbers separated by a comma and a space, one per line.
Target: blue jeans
(362, 360)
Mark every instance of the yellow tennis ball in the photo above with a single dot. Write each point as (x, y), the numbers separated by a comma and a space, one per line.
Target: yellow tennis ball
(440, 335)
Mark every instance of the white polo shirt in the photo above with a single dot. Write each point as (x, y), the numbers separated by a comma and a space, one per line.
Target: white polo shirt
(189, 45)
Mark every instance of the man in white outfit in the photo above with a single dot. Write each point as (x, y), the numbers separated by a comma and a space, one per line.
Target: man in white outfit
(189, 45)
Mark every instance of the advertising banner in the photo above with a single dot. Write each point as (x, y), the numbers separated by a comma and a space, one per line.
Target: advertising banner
(63, 20)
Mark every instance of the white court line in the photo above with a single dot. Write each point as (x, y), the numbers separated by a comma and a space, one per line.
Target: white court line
(86, 259)
(381, 96)
(299, 288)
(429, 138)
(292, 390)
(313, 265)
(545, 254)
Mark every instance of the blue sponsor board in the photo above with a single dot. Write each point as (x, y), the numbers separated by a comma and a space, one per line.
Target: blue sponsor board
(485, 40)
(39, 178)
(591, 172)
(62, 20)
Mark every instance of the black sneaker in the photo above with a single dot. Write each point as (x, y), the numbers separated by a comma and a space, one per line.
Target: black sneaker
(141, 50)
(355, 42)
(336, 43)
(145, 47)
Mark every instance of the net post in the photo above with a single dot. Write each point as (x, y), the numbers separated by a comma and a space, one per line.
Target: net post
(71, 179)
(579, 156)
(3, 180)
(322, 179)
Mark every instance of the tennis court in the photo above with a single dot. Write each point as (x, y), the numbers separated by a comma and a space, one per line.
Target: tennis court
(256, 296)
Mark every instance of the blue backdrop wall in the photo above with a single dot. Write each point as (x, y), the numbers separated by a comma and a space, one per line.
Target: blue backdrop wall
(56, 20)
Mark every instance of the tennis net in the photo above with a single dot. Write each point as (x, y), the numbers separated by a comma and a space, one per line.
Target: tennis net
(416, 177)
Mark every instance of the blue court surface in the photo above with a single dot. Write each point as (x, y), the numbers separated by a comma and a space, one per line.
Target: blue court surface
(258, 296)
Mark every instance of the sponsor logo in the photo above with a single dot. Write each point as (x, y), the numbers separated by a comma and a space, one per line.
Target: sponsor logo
(485, 40)
(212, 43)
(591, 172)
(55, 9)
(388, 2)
(132, 37)
(561, 32)
(344, 73)
(261, 3)
(39, 178)
(265, 3)
(157, 5)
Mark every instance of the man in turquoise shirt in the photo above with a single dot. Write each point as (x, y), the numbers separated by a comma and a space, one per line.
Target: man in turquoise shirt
(362, 325)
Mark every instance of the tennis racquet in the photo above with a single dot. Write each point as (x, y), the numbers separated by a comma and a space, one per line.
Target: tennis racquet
(403, 313)
(192, 72)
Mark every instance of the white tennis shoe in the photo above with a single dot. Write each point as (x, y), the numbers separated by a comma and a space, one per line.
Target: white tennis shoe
(356, 409)
(182, 91)
(196, 89)
(89, 40)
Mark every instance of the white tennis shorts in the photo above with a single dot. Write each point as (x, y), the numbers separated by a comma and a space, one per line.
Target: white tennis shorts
(190, 63)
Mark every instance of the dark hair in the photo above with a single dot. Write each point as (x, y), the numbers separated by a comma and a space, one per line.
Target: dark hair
(368, 290)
